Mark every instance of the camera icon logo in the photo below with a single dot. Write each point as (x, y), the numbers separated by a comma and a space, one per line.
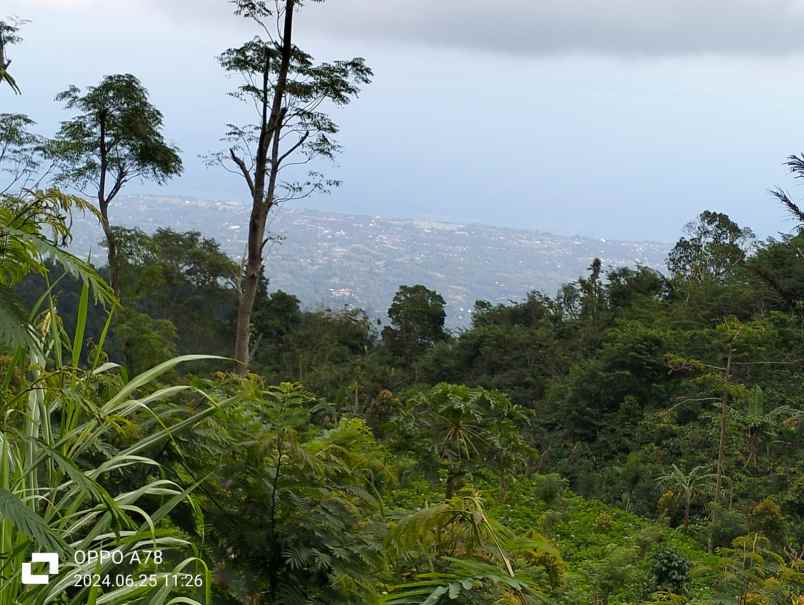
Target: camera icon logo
(52, 561)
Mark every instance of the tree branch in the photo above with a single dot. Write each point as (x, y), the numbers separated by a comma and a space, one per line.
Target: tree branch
(243, 169)
(294, 148)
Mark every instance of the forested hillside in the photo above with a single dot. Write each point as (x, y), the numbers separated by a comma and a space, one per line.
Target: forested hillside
(635, 439)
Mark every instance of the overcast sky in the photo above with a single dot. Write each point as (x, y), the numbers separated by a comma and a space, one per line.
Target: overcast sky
(611, 118)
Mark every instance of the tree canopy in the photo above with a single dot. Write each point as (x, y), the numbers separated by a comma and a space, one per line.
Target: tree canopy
(114, 137)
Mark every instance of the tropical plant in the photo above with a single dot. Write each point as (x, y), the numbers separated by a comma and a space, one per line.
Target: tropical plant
(461, 430)
(689, 484)
(25, 246)
(454, 552)
(755, 573)
(77, 474)
(295, 506)
(77, 442)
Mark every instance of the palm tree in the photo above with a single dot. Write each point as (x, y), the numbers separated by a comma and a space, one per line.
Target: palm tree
(690, 484)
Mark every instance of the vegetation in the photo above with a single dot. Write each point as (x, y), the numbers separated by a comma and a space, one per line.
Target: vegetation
(113, 139)
(635, 439)
(287, 89)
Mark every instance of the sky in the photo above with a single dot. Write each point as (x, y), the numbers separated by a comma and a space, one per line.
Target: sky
(620, 119)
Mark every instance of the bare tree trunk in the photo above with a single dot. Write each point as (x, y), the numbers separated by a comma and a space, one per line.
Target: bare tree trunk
(454, 481)
(721, 450)
(687, 505)
(111, 249)
(103, 205)
(249, 287)
(724, 405)
(262, 199)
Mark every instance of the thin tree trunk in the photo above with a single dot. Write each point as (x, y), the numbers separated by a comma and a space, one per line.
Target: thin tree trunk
(687, 504)
(262, 199)
(724, 404)
(111, 249)
(454, 480)
(103, 205)
(275, 555)
(248, 289)
(721, 450)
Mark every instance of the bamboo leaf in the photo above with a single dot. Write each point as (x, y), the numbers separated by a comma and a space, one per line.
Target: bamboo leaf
(29, 522)
(80, 325)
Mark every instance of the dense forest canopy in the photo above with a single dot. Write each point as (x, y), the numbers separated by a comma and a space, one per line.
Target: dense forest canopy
(635, 438)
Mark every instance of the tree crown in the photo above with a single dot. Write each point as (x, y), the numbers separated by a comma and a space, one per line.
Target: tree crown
(303, 130)
(115, 128)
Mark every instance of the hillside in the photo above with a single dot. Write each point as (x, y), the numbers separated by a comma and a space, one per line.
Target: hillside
(333, 260)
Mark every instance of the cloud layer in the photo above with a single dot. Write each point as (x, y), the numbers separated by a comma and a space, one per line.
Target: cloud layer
(616, 27)
(525, 27)
(549, 27)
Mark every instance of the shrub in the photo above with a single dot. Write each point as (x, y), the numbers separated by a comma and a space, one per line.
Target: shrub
(671, 571)
(726, 526)
(766, 517)
(549, 488)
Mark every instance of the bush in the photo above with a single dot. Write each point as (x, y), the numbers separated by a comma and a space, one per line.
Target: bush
(548, 488)
(766, 517)
(604, 521)
(726, 526)
(671, 571)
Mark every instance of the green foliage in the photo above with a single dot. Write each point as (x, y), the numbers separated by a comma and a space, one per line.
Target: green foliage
(294, 505)
(470, 557)
(181, 278)
(713, 248)
(310, 132)
(26, 247)
(462, 431)
(549, 488)
(9, 34)
(115, 134)
(689, 485)
(671, 571)
(417, 321)
(68, 436)
(115, 137)
(141, 341)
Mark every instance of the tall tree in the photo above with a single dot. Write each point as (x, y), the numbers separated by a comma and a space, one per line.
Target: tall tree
(20, 153)
(287, 89)
(713, 247)
(9, 34)
(114, 137)
(417, 321)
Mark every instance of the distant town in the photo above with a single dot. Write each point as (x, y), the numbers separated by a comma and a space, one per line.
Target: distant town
(332, 260)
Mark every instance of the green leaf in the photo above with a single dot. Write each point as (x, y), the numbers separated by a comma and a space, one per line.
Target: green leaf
(80, 325)
(29, 522)
(14, 326)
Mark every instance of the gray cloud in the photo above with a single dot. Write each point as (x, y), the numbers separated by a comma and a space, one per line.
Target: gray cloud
(549, 27)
